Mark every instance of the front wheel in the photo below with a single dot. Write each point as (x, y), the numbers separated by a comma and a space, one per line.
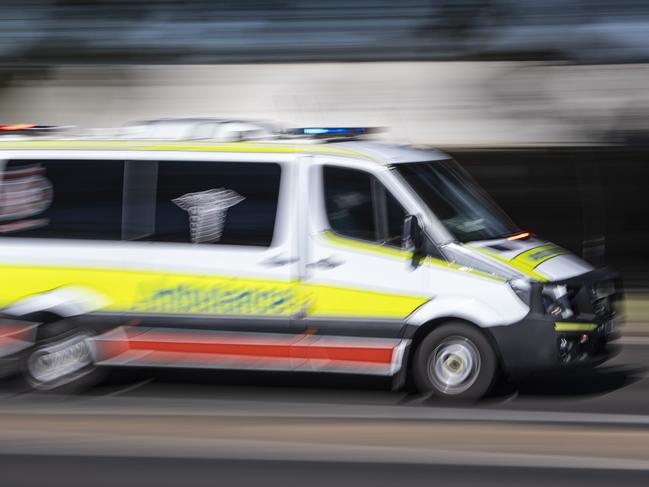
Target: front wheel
(455, 361)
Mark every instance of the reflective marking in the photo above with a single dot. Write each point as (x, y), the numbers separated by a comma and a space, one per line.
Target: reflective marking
(566, 326)
(144, 145)
(516, 264)
(533, 258)
(180, 348)
(142, 292)
(401, 254)
(15, 337)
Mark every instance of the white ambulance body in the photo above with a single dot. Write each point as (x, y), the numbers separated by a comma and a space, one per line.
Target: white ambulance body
(293, 254)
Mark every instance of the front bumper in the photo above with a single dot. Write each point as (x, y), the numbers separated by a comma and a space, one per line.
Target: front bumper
(539, 343)
(535, 345)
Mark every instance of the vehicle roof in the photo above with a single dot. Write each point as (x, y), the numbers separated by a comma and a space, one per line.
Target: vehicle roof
(181, 120)
(372, 151)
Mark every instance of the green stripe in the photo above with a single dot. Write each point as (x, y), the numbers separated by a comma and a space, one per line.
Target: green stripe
(566, 326)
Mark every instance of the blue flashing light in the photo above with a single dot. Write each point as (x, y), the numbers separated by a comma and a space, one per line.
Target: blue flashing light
(341, 131)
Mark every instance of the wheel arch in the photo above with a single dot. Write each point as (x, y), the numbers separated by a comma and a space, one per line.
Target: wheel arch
(417, 333)
(61, 302)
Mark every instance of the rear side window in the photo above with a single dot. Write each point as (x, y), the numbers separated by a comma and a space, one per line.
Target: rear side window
(359, 206)
(77, 199)
(216, 202)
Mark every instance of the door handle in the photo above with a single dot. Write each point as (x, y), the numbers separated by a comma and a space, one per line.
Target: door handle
(278, 261)
(326, 263)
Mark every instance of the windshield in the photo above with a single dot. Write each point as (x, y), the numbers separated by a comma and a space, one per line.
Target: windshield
(455, 198)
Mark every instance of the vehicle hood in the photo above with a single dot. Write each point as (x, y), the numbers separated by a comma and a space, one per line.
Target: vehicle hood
(533, 258)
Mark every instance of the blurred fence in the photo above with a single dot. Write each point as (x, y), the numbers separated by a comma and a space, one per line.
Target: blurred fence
(212, 31)
(460, 103)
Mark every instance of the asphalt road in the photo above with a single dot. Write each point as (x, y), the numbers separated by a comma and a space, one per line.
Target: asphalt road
(111, 472)
(162, 428)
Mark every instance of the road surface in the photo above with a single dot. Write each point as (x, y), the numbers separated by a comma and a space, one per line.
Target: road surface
(160, 428)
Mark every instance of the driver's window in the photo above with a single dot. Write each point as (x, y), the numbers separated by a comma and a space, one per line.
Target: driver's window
(359, 206)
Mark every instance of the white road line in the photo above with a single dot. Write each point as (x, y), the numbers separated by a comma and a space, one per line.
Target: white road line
(632, 340)
(119, 406)
(234, 449)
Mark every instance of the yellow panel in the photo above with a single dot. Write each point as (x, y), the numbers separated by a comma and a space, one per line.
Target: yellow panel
(364, 246)
(152, 292)
(144, 145)
(336, 301)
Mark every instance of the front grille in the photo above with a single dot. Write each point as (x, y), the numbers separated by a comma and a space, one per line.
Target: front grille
(594, 298)
(594, 301)
(602, 307)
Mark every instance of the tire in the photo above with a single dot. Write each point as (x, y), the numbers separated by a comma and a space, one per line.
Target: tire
(455, 361)
(62, 359)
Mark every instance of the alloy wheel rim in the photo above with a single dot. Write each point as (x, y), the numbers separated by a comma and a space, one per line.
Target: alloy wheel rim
(454, 365)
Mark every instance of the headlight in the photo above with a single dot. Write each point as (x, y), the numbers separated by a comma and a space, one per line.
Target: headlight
(523, 289)
(556, 302)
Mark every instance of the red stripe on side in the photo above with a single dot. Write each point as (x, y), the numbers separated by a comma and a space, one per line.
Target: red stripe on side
(315, 351)
(253, 347)
(15, 331)
(213, 348)
(365, 354)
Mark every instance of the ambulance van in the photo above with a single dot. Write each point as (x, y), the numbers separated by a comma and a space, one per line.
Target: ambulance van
(317, 251)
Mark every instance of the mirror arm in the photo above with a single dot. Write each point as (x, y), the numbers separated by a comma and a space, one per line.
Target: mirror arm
(413, 239)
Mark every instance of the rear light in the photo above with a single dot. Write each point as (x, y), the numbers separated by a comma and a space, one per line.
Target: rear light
(30, 129)
(18, 126)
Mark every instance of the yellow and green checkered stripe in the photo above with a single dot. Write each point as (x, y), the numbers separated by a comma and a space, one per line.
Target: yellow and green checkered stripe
(527, 262)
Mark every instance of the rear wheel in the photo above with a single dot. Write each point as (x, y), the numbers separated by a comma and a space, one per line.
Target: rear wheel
(455, 361)
(62, 358)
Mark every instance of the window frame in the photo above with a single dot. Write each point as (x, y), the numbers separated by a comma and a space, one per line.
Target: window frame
(267, 239)
(39, 157)
(379, 197)
(284, 231)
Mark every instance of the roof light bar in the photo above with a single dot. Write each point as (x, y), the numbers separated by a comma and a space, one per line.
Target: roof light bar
(17, 126)
(30, 128)
(333, 131)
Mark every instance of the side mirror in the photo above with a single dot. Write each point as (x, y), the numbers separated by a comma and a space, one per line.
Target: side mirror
(413, 238)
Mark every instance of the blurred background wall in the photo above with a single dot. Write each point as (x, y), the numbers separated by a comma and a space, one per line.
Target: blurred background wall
(478, 102)
(546, 103)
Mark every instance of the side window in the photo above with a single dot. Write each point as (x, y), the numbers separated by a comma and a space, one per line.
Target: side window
(348, 200)
(359, 206)
(216, 202)
(76, 199)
